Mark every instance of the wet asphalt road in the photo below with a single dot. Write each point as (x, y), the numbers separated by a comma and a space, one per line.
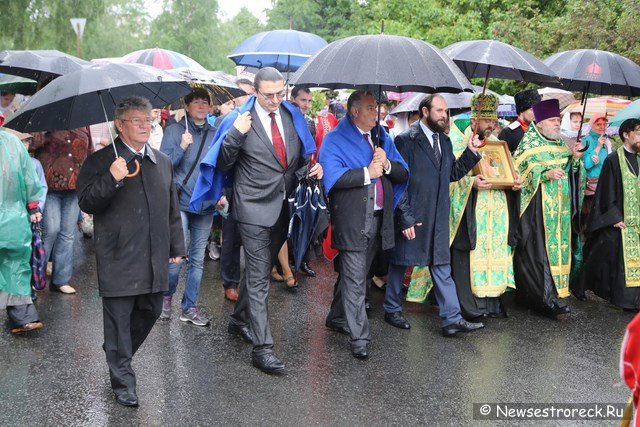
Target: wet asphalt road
(202, 376)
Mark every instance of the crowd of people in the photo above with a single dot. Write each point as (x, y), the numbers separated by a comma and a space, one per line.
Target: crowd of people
(216, 177)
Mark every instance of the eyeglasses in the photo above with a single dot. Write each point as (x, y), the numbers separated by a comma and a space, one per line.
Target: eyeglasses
(139, 122)
(278, 95)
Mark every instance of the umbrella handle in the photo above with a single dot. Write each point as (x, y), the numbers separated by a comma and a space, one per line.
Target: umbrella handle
(135, 172)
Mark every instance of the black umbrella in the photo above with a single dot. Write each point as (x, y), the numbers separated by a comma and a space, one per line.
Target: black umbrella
(39, 65)
(308, 210)
(90, 96)
(382, 62)
(595, 71)
(492, 58)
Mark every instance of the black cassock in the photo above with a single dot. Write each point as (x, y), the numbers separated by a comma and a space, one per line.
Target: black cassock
(603, 270)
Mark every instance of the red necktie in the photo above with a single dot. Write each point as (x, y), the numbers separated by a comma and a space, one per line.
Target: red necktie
(379, 187)
(278, 142)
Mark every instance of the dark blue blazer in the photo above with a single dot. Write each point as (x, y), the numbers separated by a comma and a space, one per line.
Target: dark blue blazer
(427, 200)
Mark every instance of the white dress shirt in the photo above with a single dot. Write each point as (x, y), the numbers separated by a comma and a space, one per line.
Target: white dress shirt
(265, 119)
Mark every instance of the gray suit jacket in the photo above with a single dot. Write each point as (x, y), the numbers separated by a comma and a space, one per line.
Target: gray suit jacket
(260, 181)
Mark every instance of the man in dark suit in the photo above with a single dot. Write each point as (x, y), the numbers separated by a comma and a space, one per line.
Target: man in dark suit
(422, 216)
(137, 230)
(265, 149)
(364, 179)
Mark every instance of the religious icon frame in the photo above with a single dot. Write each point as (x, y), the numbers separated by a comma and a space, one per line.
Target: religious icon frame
(496, 165)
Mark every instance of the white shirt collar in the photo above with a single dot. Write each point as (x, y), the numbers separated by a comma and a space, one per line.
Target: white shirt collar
(428, 132)
(262, 112)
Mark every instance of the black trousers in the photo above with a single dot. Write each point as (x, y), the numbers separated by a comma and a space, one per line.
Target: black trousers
(127, 322)
(261, 246)
(230, 253)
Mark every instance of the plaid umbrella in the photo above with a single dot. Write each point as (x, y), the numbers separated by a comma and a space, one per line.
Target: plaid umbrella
(38, 258)
(161, 58)
(602, 105)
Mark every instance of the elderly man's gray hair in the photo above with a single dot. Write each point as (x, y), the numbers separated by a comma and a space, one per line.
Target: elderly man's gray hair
(267, 74)
(132, 103)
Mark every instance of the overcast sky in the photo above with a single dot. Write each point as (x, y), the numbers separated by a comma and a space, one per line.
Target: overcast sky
(228, 8)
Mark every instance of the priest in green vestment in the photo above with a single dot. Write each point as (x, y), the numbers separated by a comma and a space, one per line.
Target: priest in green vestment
(612, 250)
(480, 226)
(542, 258)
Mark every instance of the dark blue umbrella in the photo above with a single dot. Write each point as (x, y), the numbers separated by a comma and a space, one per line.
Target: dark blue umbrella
(307, 207)
(285, 50)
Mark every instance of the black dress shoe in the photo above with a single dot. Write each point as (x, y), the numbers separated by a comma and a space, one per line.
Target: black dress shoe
(268, 363)
(307, 270)
(240, 331)
(360, 352)
(461, 326)
(338, 328)
(127, 398)
(397, 319)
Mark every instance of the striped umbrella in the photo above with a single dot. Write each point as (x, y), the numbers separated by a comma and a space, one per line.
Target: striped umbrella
(161, 58)
(602, 105)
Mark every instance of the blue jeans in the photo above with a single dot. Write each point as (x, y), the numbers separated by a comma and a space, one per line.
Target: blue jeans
(60, 218)
(198, 227)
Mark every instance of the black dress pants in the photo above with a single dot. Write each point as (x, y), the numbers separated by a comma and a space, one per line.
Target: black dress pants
(127, 322)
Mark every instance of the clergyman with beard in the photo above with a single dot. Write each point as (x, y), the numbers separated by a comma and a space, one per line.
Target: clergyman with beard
(483, 223)
(542, 258)
(422, 216)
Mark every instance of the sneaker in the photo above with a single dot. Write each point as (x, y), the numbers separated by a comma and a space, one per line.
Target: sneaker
(49, 270)
(214, 251)
(194, 316)
(166, 308)
(64, 289)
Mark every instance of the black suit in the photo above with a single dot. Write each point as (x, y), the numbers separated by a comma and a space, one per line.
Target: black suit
(359, 233)
(137, 229)
(260, 185)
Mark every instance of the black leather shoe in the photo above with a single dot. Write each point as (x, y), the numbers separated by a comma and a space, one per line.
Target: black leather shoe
(127, 398)
(338, 328)
(397, 319)
(307, 270)
(461, 326)
(268, 363)
(360, 352)
(240, 331)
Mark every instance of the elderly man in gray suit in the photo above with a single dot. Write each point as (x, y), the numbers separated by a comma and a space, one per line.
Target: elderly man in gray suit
(266, 146)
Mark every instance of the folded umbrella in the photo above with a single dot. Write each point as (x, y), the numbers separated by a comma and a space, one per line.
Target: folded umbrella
(307, 208)
(38, 258)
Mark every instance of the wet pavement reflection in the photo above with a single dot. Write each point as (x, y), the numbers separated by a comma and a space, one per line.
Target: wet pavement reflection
(202, 376)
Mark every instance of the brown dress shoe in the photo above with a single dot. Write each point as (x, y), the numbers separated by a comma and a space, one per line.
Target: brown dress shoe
(231, 294)
(26, 328)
